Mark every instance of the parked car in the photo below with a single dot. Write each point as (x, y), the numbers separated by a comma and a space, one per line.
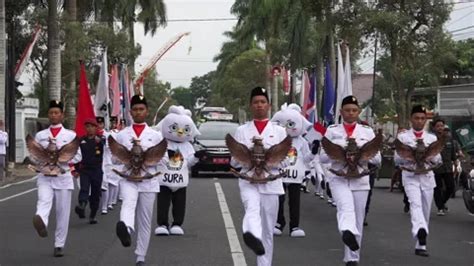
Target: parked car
(212, 140)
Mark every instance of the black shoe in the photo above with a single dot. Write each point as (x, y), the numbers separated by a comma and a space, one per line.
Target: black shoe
(123, 235)
(352, 263)
(350, 240)
(421, 235)
(81, 210)
(422, 253)
(58, 252)
(40, 226)
(406, 209)
(92, 220)
(140, 263)
(254, 244)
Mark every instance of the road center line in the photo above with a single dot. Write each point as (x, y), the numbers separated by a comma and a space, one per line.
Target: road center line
(235, 248)
(18, 183)
(19, 194)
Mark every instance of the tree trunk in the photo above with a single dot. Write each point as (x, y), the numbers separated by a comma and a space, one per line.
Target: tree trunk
(332, 54)
(268, 80)
(54, 52)
(71, 11)
(131, 35)
(2, 60)
(402, 104)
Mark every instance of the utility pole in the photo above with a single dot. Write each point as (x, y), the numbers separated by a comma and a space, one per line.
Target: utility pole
(374, 75)
(10, 94)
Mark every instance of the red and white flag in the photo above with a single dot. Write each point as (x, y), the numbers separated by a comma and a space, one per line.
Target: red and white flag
(115, 91)
(25, 56)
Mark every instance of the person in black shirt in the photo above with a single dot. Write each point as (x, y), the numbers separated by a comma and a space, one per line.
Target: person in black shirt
(90, 171)
(444, 175)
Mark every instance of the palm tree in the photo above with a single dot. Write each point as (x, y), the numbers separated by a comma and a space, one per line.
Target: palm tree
(71, 11)
(54, 52)
(151, 13)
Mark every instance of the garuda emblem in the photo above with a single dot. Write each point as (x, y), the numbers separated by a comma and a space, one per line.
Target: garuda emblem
(47, 160)
(421, 155)
(258, 158)
(136, 159)
(353, 156)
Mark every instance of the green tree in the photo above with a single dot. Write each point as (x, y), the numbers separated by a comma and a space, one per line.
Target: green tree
(410, 32)
(183, 96)
(156, 92)
(201, 88)
(242, 74)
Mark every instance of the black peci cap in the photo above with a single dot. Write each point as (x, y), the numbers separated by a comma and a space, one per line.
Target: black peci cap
(56, 104)
(138, 99)
(349, 100)
(99, 119)
(113, 119)
(259, 91)
(418, 109)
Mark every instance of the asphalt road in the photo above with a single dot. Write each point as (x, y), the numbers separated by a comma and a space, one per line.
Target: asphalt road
(387, 239)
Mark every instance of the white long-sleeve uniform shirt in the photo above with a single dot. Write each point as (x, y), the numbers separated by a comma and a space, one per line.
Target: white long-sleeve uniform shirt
(148, 138)
(65, 136)
(426, 180)
(272, 134)
(337, 135)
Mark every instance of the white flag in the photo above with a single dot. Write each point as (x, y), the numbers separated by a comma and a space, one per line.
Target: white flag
(340, 84)
(348, 74)
(101, 102)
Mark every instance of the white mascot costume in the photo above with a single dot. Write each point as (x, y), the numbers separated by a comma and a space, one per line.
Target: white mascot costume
(299, 158)
(179, 130)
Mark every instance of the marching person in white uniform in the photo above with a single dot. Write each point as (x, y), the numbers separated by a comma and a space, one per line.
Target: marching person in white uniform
(350, 194)
(3, 149)
(298, 158)
(260, 200)
(179, 130)
(138, 197)
(58, 188)
(110, 186)
(418, 187)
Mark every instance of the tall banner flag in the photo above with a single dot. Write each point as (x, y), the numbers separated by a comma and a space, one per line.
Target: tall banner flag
(340, 84)
(102, 100)
(347, 74)
(115, 91)
(25, 56)
(125, 95)
(304, 93)
(85, 109)
(329, 97)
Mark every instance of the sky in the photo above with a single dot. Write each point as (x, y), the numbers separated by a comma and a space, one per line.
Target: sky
(180, 64)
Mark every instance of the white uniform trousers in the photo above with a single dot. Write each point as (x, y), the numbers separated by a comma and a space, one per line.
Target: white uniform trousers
(109, 196)
(261, 211)
(62, 199)
(317, 186)
(141, 204)
(350, 214)
(420, 208)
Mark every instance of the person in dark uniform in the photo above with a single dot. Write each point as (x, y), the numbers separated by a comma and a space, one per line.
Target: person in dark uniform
(90, 171)
(444, 175)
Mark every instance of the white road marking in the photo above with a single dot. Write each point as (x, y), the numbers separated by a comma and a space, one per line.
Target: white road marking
(17, 183)
(19, 194)
(235, 248)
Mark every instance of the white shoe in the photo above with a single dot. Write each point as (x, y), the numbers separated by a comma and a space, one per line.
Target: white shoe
(110, 207)
(176, 230)
(162, 231)
(277, 231)
(104, 212)
(329, 201)
(321, 196)
(297, 232)
(333, 204)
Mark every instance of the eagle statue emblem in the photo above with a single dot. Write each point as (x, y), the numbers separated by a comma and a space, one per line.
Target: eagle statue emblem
(258, 158)
(420, 155)
(136, 159)
(47, 160)
(352, 156)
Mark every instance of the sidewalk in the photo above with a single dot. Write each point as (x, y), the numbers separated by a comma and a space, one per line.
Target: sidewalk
(18, 173)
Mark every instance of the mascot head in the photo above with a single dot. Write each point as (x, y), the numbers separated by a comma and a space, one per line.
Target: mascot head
(177, 125)
(291, 119)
